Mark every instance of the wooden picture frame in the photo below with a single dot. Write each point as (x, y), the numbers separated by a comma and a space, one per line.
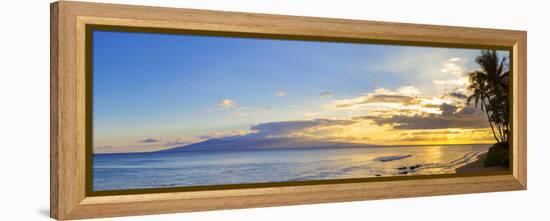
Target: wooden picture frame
(69, 198)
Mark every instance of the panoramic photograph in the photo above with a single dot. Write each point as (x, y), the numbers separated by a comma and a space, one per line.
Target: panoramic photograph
(174, 110)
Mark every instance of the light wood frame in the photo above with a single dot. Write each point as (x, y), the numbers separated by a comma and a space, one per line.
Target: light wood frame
(68, 88)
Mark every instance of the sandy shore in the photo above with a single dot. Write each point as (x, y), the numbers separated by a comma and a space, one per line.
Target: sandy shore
(477, 166)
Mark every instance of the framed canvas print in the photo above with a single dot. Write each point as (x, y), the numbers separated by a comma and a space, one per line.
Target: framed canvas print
(160, 110)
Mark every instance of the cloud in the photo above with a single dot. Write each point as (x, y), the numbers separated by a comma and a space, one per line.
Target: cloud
(447, 135)
(477, 135)
(287, 128)
(421, 67)
(377, 98)
(430, 132)
(450, 117)
(326, 94)
(214, 135)
(452, 84)
(280, 94)
(432, 121)
(407, 90)
(149, 140)
(455, 59)
(227, 103)
(435, 106)
(447, 109)
(404, 96)
(469, 110)
(453, 66)
(181, 141)
(453, 76)
(457, 95)
(382, 98)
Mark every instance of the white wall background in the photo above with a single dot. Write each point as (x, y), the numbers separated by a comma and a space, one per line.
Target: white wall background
(24, 109)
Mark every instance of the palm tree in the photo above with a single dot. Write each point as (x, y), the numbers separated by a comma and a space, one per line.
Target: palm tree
(479, 89)
(489, 87)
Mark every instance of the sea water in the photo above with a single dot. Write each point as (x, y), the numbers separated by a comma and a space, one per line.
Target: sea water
(199, 168)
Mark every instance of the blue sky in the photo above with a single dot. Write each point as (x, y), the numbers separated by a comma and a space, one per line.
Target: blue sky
(174, 89)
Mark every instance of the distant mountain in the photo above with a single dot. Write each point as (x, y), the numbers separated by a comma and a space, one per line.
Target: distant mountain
(250, 142)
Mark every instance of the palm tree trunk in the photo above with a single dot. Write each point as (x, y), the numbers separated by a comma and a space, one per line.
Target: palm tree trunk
(489, 119)
(500, 117)
(500, 111)
(499, 129)
(506, 125)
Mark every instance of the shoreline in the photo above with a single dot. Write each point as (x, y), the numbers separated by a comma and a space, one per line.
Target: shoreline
(477, 166)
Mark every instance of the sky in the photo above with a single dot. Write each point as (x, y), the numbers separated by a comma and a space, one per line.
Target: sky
(159, 91)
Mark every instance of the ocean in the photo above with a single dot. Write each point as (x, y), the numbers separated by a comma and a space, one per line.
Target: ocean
(200, 168)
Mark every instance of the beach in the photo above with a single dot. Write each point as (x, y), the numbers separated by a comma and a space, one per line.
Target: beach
(477, 166)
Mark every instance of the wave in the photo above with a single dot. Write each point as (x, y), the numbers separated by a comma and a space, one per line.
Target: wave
(392, 158)
(456, 163)
(373, 168)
